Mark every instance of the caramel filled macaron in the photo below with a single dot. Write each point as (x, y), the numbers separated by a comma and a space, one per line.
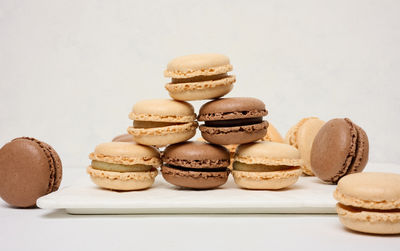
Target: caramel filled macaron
(266, 165)
(124, 166)
(369, 202)
(159, 122)
(195, 165)
(302, 137)
(233, 120)
(199, 76)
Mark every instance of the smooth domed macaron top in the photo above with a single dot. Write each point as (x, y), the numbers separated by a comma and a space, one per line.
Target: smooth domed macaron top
(126, 149)
(195, 62)
(166, 110)
(269, 153)
(247, 106)
(196, 151)
(374, 187)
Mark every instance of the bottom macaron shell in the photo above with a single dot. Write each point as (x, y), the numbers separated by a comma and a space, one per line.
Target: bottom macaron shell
(239, 136)
(195, 180)
(163, 140)
(266, 180)
(372, 222)
(128, 181)
(203, 92)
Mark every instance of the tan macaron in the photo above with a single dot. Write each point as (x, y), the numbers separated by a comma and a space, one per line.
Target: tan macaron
(199, 76)
(266, 165)
(124, 166)
(302, 136)
(160, 122)
(369, 202)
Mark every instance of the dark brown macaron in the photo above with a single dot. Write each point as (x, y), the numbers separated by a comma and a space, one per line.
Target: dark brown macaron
(195, 165)
(29, 169)
(340, 148)
(123, 138)
(233, 120)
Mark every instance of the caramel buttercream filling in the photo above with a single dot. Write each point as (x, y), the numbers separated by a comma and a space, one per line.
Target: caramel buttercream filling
(198, 79)
(152, 124)
(104, 166)
(239, 166)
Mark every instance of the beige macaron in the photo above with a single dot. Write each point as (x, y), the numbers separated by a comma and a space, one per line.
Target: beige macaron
(369, 202)
(266, 165)
(160, 122)
(199, 76)
(302, 136)
(124, 166)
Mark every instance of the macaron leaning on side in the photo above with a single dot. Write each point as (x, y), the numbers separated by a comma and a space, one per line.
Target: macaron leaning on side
(266, 165)
(199, 76)
(124, 166)
(369, 202)
(302, 136)
(29, 169)
(159, 122)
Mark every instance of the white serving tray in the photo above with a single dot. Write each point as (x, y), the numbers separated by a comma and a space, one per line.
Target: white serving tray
(308, 195)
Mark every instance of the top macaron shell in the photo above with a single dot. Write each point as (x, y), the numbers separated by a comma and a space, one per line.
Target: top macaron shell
(29, 169)
(339, 148)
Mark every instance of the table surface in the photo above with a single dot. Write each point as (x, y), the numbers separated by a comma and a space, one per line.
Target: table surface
(38, 229)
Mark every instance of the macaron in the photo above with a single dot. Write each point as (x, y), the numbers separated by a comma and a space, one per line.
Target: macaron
(123, 138)
(124, 166)
(29, 169)
(159, 122)
(266, 165)
(272, 134)
(340, 147)
(199, 76)
(369, 202)
(196, 165)
(302, 137)
(233, 120)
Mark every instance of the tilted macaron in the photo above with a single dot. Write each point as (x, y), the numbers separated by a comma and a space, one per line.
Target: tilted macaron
(233, 120)
(159, 122)
(123, 138)
(266, 165)
(29, 169)
(124, 166)
(272, 134)
(369, 202)
(199, 76)
(195, 165)
(302, 137)
(339, 148)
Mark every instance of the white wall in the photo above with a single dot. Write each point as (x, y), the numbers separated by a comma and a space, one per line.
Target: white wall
(71, 70)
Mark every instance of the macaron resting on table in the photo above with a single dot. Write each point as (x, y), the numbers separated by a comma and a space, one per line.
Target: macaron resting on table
(266, 165)
(29, 169)
(199, 76)
(124, 166)
(302, 137)
(233, 120)
(340, 148)
(369, 202)
(159, 122)
(196, 165)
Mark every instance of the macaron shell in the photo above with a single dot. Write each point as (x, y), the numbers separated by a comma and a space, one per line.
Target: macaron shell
(362, 151)
(57, 176)
(127, 181)
(273, 134)
(266, 180)
(123, 138)
(25, 172)
(198, 65)
(194, 179)
(333, 150)
(369, 222)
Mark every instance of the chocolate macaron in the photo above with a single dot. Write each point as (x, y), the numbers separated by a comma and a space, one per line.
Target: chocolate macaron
(29, 169)
(195, 165)
(233, 120)
(339, 148)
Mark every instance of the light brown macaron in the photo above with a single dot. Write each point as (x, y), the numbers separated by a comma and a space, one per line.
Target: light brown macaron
(123, 138)
(266, 165)
(160, 122)
(124, 166)
(199, 76)
(302, 137)
(369, 202)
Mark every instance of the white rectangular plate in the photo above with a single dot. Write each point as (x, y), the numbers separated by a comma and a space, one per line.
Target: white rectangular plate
(308, 195)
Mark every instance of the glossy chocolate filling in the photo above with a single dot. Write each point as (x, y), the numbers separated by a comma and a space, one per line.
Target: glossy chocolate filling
(221, 169)
(234, 122)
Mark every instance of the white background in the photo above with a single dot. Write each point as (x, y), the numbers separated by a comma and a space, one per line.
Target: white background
(70, 71)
